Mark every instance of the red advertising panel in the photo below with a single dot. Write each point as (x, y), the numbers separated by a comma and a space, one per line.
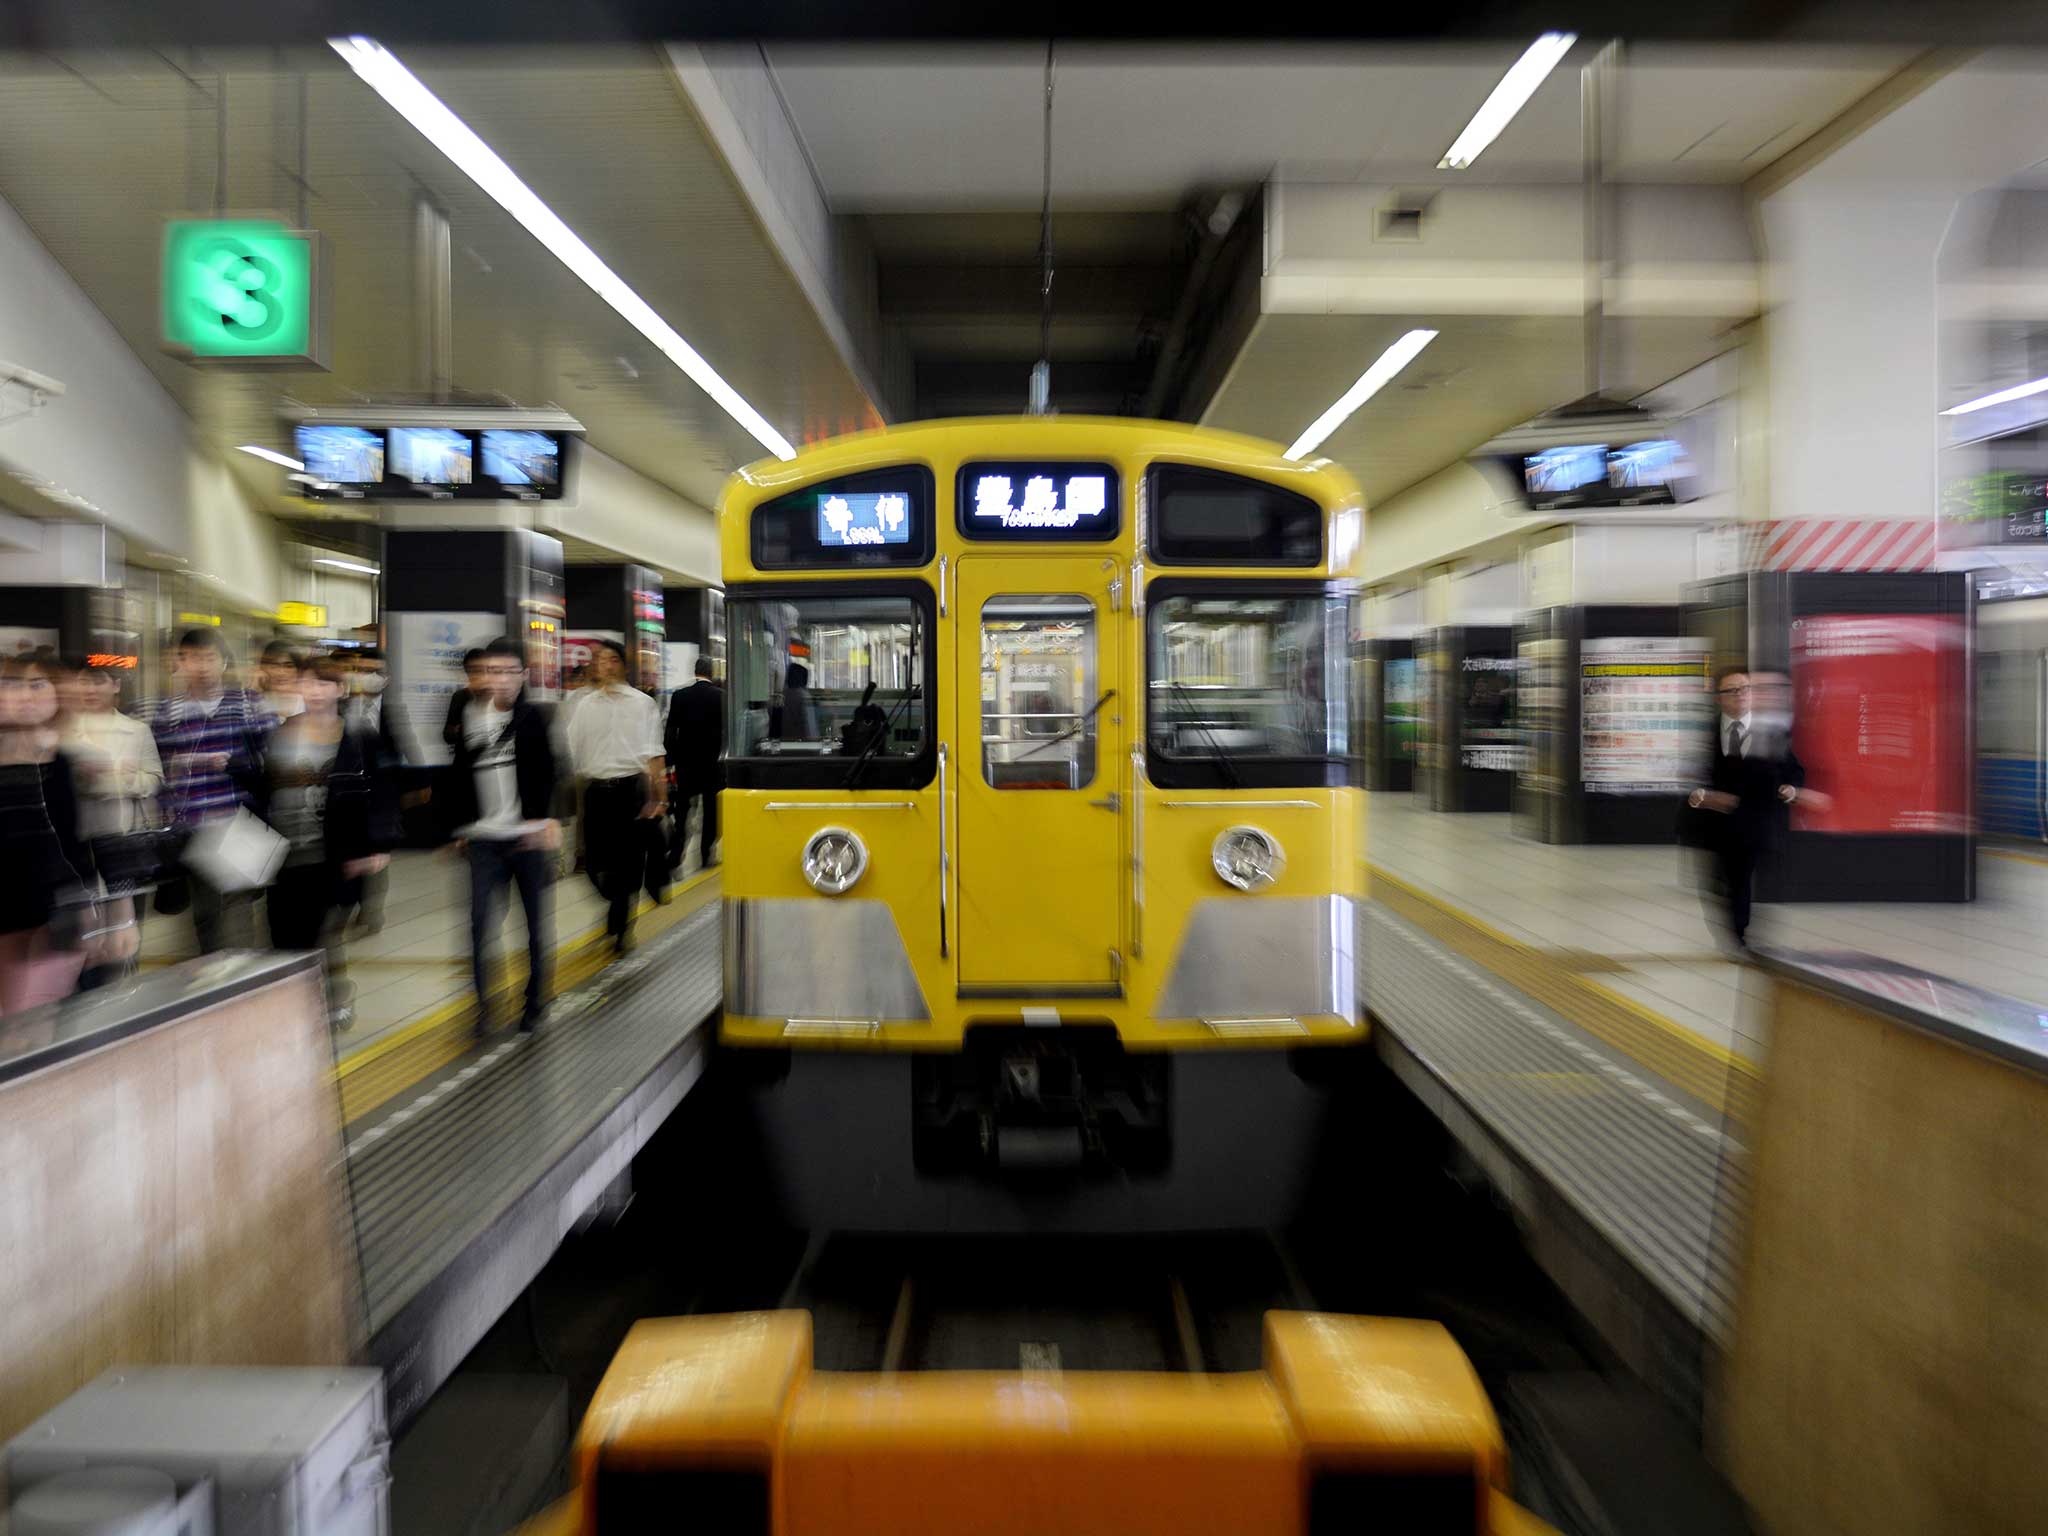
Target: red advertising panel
(1878, 722)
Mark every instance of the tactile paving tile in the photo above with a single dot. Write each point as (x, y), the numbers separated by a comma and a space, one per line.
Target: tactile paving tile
(1654, 1172)
(428, 1179)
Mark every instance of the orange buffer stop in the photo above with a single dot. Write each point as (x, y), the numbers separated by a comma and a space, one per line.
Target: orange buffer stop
(1351, 1423)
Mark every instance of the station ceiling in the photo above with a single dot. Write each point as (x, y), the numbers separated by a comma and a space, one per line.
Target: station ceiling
(937, 155)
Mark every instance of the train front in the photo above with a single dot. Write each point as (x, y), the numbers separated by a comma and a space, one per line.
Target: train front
(1042, 851)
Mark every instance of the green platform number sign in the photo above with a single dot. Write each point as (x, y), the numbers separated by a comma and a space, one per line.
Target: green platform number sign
(237, 290)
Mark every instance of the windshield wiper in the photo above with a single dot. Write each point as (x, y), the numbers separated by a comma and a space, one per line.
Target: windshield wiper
(879, 739)
(1226, 764)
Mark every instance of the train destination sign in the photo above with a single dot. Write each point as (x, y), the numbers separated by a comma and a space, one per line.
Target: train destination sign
(847, 519)
(1038, 501)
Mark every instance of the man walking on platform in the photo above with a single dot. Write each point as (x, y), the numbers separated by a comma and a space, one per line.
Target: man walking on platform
(615, 745)
(1754, 776)
(210, 738)
(499, 808)
(695, 742)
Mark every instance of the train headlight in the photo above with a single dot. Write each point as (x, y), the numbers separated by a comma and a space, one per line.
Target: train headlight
(833, 859)
(1246, 858)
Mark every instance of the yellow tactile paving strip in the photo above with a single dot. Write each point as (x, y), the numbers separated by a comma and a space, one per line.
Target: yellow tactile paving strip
(383, 1070)
(1699, 1067)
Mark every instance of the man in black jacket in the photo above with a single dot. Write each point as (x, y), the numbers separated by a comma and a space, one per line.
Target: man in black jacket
(498, 805)
(695, 740)
(1754, 777)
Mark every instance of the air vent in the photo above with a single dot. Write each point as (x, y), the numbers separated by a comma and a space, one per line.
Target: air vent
(1402, 225)
(1400, 221)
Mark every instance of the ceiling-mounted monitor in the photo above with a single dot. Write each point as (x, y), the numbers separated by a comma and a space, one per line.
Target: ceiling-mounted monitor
(348, 460)
(431, 458)
(1563, 477)
(1649, 473)
(523, 463)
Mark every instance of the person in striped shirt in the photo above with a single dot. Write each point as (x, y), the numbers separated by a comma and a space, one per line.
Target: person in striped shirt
(209, 736)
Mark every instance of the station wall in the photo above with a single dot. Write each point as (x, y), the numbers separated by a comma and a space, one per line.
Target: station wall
(116, 440)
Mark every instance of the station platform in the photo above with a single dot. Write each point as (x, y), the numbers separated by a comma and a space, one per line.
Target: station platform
(465, 1178)
(1567, 1013)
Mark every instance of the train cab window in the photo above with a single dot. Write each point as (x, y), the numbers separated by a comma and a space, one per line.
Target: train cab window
(1038, 700)
(828, 691)
(881, 517)
(1206, 517)
(1247, 688)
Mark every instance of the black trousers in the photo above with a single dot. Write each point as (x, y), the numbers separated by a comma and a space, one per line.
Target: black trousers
(619, 845)
(1735, 862)
(679, 838)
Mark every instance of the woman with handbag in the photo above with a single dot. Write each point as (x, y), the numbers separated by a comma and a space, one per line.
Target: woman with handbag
(47, 915)
(117, 774)
(326, 790)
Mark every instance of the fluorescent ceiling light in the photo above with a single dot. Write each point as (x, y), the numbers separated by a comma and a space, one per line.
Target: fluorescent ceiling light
(382, 72)
(1370, 382)
(2001, 397)
(349, 565)
(1508, 98)
(272, 455)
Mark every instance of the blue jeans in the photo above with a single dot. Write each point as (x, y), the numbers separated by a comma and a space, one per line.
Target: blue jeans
(494, 864)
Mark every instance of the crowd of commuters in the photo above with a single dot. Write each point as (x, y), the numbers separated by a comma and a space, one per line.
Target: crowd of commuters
(269, 808)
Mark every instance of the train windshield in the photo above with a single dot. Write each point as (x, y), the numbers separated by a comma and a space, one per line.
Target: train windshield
(1244, 676)
(837, 681)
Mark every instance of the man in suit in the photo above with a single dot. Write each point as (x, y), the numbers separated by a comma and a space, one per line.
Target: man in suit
(1754, 777)
(695, 740)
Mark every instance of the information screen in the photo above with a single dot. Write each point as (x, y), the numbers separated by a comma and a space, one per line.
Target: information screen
(1648, 471)
(531, 460)
(1559, 475)
(1024, 500)
(432, 456)
(342, 455)
(847, 519)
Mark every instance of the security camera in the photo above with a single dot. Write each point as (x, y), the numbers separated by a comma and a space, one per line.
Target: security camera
(41, 385)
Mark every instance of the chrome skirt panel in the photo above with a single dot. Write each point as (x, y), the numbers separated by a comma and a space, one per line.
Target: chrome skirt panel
(831, 960)
(1265, 957)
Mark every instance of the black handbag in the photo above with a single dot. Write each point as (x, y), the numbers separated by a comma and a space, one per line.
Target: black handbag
(130, 863)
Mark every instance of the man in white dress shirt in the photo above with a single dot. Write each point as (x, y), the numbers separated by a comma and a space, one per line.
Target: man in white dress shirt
(615, 745)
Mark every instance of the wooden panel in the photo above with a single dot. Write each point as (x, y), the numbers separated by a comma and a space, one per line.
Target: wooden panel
(177, 1198)
(1890, 1365)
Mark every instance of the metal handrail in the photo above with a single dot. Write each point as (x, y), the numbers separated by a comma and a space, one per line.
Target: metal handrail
(1137, 852)
(945, 851)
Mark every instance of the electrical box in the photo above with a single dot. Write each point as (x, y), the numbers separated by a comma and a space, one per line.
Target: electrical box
(288, 1451)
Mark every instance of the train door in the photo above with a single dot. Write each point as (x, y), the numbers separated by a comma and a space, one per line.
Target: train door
(1039, 742)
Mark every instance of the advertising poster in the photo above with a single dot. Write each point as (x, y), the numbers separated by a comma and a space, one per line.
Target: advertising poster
(577, 649)
(1878, 722)
(1401, 709)
(1490, 740)
(1645, 715)
(426, 659)
(1540, 707)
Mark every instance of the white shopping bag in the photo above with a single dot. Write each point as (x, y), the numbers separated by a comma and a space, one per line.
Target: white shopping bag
(235, 853)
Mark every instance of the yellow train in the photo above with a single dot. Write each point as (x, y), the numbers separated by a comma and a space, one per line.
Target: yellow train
(1040, 827)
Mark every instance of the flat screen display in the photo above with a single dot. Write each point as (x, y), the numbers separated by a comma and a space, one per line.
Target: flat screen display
(532, 460)
(342, 455)
(1648, 471)
(1051, 501)
(432, 456)
(1557, 475)
(849, 519)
